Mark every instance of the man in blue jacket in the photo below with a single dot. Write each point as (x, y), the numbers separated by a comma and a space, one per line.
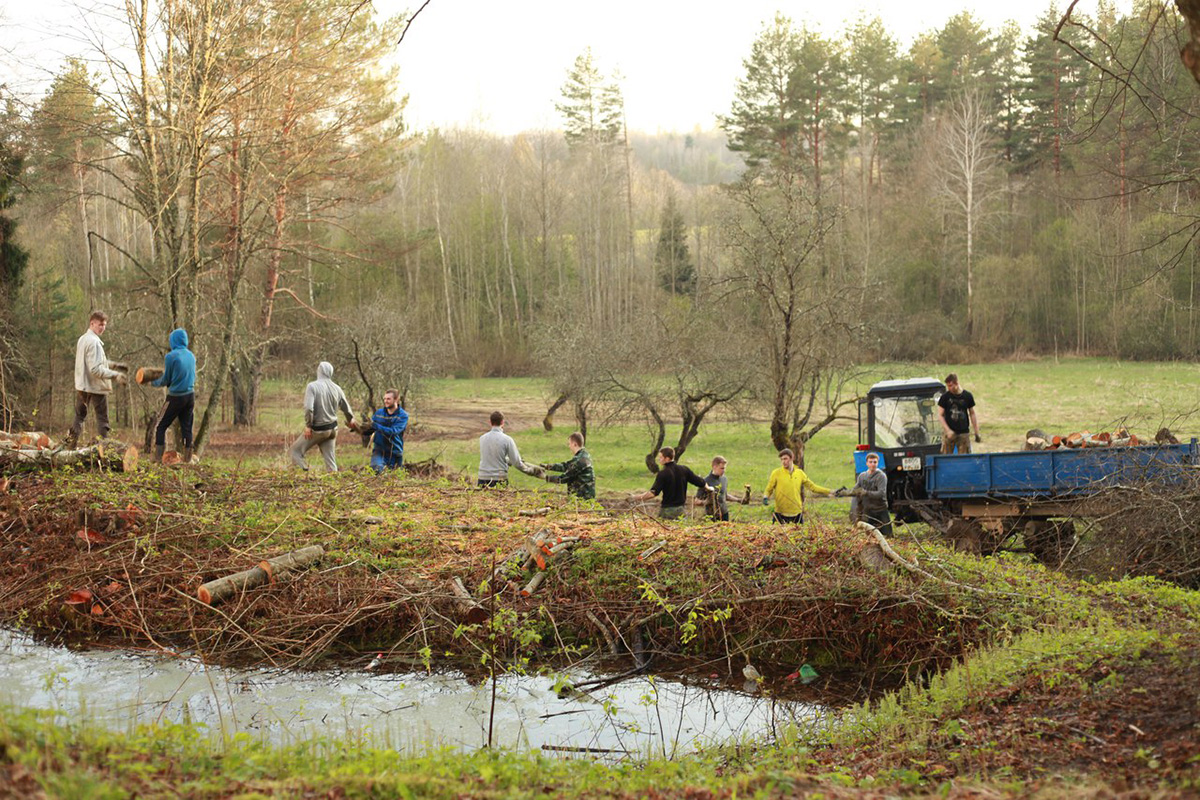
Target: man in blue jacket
(179, 376)
(390, 423)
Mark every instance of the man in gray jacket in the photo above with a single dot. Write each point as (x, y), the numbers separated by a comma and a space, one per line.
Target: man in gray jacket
(93, 378)
(870, 497)
(322, 400)
(497, 452)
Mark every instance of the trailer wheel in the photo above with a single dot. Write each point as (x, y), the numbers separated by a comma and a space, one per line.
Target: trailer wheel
(1050, 542)
(967, 536)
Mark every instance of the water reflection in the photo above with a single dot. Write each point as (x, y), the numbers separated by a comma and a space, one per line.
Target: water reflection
(409, 712)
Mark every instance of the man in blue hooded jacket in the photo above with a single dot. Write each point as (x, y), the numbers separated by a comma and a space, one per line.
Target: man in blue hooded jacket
(389, 423)
(179, 376)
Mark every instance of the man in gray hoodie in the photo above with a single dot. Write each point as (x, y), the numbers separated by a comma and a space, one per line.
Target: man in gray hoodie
(93, 378)
(322, 400)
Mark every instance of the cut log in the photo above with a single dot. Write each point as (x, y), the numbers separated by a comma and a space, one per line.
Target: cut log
(26, 440)
(468, 607)
(107, 454)
(147, 374)
(871, 556)
(267, 571)
(1164, 436)
(534, 512)
(533, 584)
(220, 589)
(279, 566)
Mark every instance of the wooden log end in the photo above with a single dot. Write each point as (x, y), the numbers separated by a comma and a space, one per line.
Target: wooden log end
(146, 374)
(129, 460)
(871, 556)
(205, 595)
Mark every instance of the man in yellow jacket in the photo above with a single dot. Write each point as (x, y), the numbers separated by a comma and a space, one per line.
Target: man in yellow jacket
(787, 485)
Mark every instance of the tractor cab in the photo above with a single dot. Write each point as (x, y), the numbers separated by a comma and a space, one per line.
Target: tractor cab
(899, 420)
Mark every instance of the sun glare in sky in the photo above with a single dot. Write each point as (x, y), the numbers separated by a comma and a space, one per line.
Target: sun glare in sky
(500, 66)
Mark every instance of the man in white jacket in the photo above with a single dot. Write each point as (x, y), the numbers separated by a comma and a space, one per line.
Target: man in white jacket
(93, 378)
(323, 399)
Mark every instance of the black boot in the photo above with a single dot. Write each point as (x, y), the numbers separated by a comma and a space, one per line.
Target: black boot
(187, 455)
(159, 449)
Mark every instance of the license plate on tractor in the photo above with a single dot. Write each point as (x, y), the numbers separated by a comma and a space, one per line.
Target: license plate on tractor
(912, 464)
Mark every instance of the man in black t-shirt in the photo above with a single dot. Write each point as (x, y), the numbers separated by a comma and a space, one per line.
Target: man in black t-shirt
(671, 482)
(956, 407)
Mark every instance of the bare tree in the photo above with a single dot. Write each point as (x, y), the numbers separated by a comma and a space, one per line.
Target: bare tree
(805, 323)
(966, 170)
(670, 367)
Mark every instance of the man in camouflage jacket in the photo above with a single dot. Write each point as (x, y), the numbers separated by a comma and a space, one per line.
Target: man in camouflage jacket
(577, 473)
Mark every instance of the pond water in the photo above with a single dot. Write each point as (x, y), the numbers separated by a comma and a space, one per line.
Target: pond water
(410, 712)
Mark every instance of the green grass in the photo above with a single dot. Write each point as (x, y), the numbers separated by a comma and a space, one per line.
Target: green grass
(1057, 395)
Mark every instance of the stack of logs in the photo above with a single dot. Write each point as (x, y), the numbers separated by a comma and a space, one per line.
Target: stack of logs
(540, 550)
(36, 450)
(1036, 439)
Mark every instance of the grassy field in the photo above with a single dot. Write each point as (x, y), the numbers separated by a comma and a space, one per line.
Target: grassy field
(1044, 685)
(1058, 396)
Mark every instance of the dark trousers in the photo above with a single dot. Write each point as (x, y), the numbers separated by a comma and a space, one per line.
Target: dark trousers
(882, 520)
(97, 401)
(787, 519)
(488, 483)
(181, 407)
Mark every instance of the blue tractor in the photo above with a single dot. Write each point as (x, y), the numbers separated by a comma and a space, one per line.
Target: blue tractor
(982, 501)
(899, 420)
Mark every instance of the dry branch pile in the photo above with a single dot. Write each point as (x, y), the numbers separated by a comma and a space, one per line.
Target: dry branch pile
(408, 572)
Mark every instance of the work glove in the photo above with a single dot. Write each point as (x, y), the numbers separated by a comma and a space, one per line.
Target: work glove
(766, 500)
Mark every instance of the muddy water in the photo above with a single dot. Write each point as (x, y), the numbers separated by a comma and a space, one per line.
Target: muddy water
(409, 712)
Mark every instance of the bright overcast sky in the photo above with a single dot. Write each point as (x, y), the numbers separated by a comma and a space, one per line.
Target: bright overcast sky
(499, 66)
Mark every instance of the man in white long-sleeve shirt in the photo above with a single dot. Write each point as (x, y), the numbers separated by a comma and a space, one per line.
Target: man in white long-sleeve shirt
(93, 378)
(497, 452)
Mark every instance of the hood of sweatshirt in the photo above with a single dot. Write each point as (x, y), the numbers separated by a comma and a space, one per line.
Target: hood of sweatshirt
(178, 339)
(324, 371)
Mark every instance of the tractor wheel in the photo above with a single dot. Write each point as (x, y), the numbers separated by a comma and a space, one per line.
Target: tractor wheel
(1050, 542)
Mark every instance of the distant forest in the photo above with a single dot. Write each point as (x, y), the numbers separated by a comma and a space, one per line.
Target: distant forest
(244, 171)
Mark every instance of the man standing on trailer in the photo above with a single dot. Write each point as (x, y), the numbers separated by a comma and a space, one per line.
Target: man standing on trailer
(956, 408)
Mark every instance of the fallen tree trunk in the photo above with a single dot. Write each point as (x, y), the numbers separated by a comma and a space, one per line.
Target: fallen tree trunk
(107, 454)
(468, 606)
(267, 571)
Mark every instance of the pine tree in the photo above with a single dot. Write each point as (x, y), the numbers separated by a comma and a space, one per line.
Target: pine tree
(672, 259)
(591, 107)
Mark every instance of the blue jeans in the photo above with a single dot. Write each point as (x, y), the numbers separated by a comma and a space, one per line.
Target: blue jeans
(380, 462)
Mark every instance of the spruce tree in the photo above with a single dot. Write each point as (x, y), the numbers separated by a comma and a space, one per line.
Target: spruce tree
(672, 259)
(13, 257)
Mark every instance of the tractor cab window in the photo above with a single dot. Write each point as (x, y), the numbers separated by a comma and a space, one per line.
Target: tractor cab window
(906, 421)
